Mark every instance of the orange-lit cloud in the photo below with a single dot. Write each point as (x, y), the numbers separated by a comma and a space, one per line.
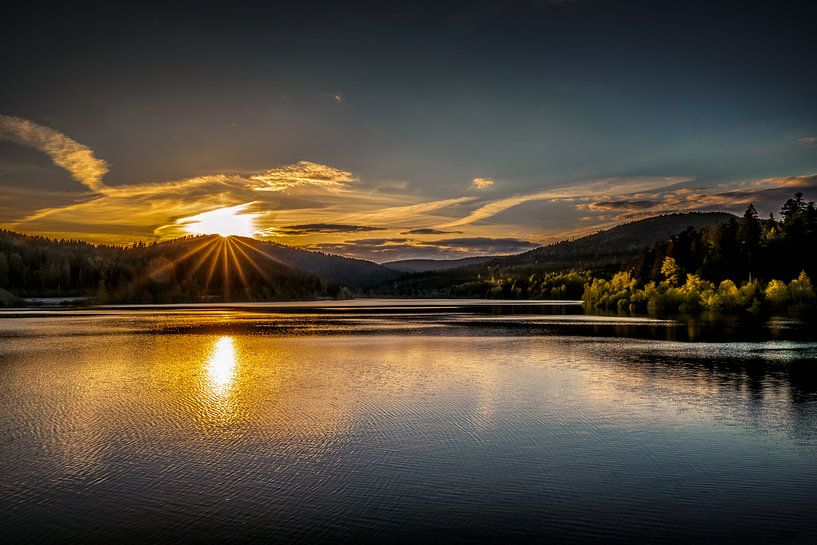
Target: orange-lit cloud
(66, 153)
(568, 192)
(313, 205)
(410, 212)
(482, 184)
(394, 248)
(302, 173)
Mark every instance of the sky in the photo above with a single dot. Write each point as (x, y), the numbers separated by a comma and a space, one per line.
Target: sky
(387, 130)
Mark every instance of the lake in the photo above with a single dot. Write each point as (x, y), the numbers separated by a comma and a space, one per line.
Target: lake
(404, 422)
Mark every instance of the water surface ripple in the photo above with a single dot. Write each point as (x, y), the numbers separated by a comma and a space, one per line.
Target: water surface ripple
(401, 424)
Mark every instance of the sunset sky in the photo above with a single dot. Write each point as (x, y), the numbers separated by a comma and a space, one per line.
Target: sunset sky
(388, 131)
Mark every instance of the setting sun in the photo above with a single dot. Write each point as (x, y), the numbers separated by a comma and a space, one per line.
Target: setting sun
(225, 222)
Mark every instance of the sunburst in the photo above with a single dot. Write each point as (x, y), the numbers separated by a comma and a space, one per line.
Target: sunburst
(235, 262)
(225, 222)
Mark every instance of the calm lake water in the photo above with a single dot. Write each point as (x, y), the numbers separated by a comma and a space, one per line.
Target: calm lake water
(411, 422)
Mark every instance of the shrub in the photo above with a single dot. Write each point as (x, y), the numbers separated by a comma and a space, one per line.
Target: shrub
(777, 294)
(801, 291)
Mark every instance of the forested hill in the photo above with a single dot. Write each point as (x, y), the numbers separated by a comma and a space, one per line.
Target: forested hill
(211, 268)
(338, 270)
(612, 245)
(182, 270)
(603, 252)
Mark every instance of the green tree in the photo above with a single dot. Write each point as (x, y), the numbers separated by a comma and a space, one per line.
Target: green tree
(749, 231)
(777, 294)
(801, 291)
(671, 271)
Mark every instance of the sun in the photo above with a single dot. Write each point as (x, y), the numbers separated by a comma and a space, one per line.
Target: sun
(225, 222)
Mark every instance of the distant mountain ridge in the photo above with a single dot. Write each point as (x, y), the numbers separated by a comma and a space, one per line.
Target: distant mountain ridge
(422, 265)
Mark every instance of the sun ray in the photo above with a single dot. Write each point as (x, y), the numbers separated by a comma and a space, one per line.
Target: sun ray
(212, 268)
(252, 262)
(264, 254)
(239, 269)
(138, 283)
(203, 259)
(187, 254)
(226, 288)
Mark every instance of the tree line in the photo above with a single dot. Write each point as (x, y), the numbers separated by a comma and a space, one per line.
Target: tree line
(746, 263)
(743, 263)
(161, 272)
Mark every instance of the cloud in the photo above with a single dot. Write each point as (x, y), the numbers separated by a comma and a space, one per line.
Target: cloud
(131, 212)
(65, 152)
(303, 173)
(765, 194)
(806, 180)
(408, 213)
(569, 192)
(622, 205)
(146, 205)
(482, 244)
(482, 184)
(387, 249)
(318, 206)
(138, 211)
(808, 141)
(314, 228)
(429, 231)
(380, 241)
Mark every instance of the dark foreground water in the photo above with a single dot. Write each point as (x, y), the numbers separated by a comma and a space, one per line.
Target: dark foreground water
(403, 423)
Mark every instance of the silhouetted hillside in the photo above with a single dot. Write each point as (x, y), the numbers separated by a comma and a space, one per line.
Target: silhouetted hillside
(333, 269)
(213, 268)
(183, 270)
(603, 252)
(620, 242)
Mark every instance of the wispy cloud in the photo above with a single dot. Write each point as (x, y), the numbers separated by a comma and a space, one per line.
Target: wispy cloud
(408, 213)
(319, 206)
(66, 153)
(390, 248)
(484, 245)
(429, 231)
(605, 186)
(302, 173)
(766, 193)
(621, 205)
(808, 141)
(316, 228)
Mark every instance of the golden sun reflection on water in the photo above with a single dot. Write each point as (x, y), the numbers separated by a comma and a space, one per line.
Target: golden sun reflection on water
(221, 365)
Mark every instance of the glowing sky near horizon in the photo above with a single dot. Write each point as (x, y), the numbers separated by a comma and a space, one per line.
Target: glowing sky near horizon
(226, 222)
(423, 130)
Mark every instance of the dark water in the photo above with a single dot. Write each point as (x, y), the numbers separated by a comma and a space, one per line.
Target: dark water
(426, 423)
